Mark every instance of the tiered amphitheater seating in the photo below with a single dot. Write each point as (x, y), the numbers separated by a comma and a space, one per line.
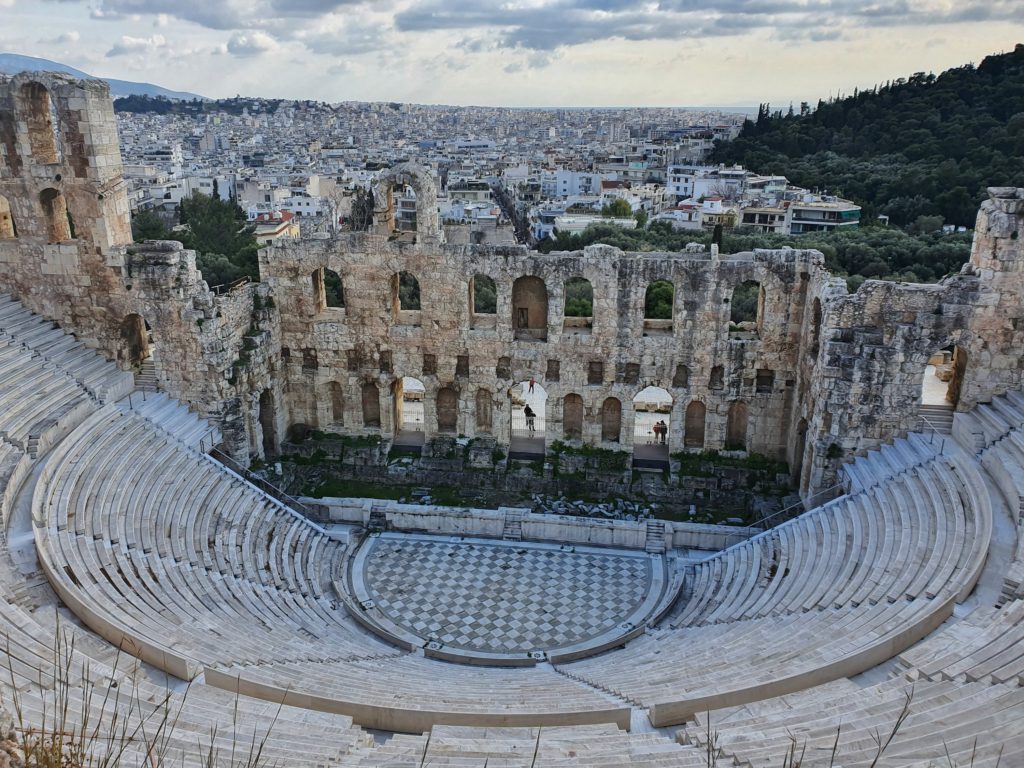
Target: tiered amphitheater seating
(826, 595)
(994, 432)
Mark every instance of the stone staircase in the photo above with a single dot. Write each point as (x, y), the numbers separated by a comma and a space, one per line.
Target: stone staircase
(378, 520)
(937, 417)
(146, 379)
(655, 544)
(513, 530)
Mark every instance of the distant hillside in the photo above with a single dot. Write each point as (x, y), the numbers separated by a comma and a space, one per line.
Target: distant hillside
(12, 63)
(917, 146)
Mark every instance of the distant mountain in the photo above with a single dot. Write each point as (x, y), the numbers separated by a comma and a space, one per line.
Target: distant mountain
(12, 63)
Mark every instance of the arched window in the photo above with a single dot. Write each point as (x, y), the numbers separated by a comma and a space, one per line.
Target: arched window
(530, 309)
(408, 292)
(717, 380)
(483, 302)
(334, 294)
(659, 308)
(746, 308)
(579, 305)
(695, 420)
(38, 112)
(611, 420)
(736, 427)
(55, 215)
(135, 340)
(337, 403)
(371, 405)
(7, 230)
(572, 417)
(484, 408)
(447, 409)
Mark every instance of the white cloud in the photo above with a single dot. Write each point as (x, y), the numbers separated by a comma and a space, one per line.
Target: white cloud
(128, 45)
(251, 43)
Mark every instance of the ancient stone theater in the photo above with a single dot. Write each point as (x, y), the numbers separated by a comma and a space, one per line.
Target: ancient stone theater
(144, 571)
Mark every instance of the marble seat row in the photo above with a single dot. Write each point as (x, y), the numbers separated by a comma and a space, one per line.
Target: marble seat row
(552, 747)
(917, 535)
(94, 374)
(174, 418)
(946, 723)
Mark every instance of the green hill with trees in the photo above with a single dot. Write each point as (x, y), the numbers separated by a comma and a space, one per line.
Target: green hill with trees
(924, 145)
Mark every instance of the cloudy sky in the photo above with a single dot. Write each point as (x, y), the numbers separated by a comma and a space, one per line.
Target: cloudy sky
(513, 52)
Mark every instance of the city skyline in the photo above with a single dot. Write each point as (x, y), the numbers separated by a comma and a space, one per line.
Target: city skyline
(527, 53)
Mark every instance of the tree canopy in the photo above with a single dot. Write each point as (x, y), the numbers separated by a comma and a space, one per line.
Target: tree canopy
(920, 146)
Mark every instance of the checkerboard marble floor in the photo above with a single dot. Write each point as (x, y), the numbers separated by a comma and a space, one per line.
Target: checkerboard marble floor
(503, 599)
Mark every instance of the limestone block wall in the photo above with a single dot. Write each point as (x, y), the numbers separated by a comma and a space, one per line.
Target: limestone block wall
(370, 343)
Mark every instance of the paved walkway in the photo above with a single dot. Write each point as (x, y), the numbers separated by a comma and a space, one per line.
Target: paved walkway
(503, 597)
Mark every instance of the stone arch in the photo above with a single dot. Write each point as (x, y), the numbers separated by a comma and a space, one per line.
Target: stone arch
(447, 409)
(337, 400)
(484, 410)
(135, 340)
(611, 420)
(371, 405)
(483, 302)
(696, 418)
(746, 307)
(421, 180)
(527, 435)
(268, 423)
(572, 417)
(409, 400)
(578, 308)
(530, 308)
(659, 307)
(7, 228)
(55, 215)
(736, 426)
(37, 110)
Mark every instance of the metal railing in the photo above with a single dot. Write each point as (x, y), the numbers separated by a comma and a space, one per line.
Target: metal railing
(934, 432)
(268, 488)
(227, 287)
(762, 523)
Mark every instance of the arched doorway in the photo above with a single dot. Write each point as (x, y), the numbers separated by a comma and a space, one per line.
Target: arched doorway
(736, 427)
(447, 410)
(693, 434)
(268, 424)
(135, 341)
(652, 427)
(940, 388)
(528, 432)
(409, 413)
(530, 309)
(572, 417)
(611, 420)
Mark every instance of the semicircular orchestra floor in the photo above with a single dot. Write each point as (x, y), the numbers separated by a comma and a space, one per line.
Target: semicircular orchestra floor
(498, 597)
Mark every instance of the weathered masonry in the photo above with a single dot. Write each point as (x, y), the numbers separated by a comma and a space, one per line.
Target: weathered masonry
(335, 325)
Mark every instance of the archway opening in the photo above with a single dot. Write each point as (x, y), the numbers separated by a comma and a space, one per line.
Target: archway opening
(7, 228)
(334, 293)
(55, 216)
(483, 302)
(579, 307)
(268, 424)
(136, 341)
(611, 420)
(696, 419)
(337, 402)
(528, 421)
(940, 387)
(572, 417)
(736, 426)
(530, 309)
(659, 308)
(370, 397)
(447, 410)
(409, 416)
(746, 310)
(38, 111)
(652, 428)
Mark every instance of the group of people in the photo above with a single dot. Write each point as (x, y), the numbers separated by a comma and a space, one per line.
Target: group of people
(660, 430)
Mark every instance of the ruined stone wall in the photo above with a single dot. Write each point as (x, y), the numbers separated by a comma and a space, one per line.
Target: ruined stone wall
(371, 341)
